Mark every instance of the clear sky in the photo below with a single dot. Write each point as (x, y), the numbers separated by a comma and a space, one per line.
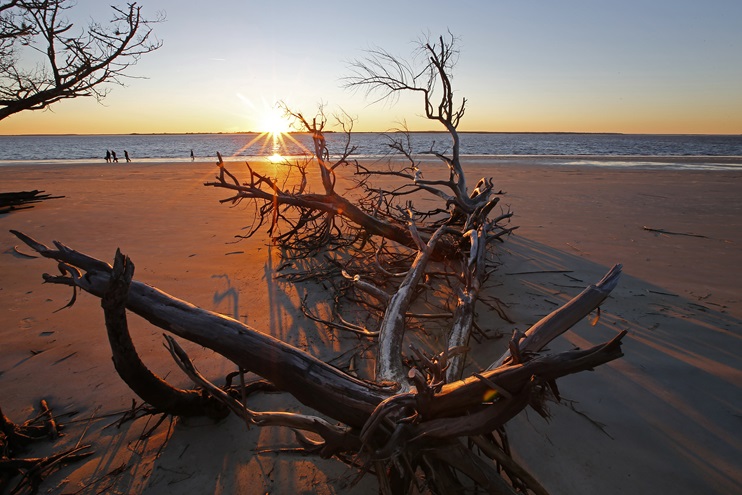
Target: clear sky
(633, 66)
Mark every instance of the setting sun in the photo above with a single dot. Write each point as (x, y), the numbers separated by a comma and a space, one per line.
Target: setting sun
(274, 122)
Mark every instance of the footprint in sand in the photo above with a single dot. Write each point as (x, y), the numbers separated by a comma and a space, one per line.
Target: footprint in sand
(26, 323)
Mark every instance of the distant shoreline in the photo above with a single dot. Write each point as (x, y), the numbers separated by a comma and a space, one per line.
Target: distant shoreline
(615, 162)
(535, 133)
(178, 147)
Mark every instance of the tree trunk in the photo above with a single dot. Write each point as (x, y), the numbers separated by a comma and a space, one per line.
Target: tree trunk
(472, 406)
(148, 386)
(316, 384)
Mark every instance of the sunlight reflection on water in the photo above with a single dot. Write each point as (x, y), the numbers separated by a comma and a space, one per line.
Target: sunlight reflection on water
(701, 152)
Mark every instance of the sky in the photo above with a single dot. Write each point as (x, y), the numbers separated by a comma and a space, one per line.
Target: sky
(649, 66)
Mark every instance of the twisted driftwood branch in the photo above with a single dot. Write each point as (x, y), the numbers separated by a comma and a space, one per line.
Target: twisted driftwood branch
(564, 318)
(148, 386)
(396, 433)
(318, 385)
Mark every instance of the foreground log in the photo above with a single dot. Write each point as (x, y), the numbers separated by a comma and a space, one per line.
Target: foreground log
(396, 432)
(313, 382)
(148, 386)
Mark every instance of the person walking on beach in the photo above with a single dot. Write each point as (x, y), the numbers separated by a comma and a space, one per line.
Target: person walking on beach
(113, 156)
(192, 157)
(108, 156)
(126, 155)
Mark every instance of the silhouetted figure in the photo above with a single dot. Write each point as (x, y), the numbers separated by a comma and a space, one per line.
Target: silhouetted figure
(113, 156)
(126, 155)
(108, 156)
(192, 157)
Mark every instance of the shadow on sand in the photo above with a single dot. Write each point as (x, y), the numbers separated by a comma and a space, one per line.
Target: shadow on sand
(663, 419)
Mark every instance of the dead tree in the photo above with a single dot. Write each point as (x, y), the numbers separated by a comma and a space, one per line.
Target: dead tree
(458, 232)
(400, 434)
(311, 219)
(416, 424)
(74, 62)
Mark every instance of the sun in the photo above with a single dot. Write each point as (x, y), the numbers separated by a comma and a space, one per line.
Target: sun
(274, 122)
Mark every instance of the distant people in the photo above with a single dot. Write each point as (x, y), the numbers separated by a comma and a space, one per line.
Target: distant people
(108, 156)
(192, 157)
(220, 163)
(126, 155)
(113, 156)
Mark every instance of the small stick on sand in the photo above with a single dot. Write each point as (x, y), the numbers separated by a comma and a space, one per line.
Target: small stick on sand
(662, 231)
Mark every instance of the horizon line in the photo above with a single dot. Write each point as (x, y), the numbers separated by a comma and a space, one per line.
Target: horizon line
(374, 132)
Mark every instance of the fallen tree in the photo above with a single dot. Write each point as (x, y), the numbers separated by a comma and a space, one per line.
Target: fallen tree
(365, 220)
(418, 427)
(421, 421)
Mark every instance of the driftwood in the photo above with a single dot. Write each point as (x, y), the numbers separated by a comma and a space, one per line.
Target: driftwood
(373, 226)
(151, 388)
(668, 232)
(22, 200)
(416, 425)
(307, 378)
(557, 322)
(15, 438)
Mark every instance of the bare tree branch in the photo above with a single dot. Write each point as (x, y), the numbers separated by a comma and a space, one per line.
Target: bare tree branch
(75, 63)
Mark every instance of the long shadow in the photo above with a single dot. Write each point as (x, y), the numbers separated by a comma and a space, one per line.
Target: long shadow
(199, 456)
(668, 414)
(230, 294)
(287, 321)
(665, 418)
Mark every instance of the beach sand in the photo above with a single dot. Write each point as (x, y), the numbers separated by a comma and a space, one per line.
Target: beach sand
(666, 418)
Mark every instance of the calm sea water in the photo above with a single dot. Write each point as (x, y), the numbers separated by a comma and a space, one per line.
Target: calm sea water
(144, 148)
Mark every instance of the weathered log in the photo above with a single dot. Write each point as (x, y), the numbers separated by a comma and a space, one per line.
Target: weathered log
(474, 393)
(483, 402)
(389, 366)
(148, 386)
(316, 384)
(336, 438)
(463, 319)
(557, 322)
(472, 406)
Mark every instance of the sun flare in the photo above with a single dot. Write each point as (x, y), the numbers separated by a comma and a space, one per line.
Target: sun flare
(274, 122)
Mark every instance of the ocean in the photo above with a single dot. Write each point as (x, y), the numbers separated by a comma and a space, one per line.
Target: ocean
(713, 151)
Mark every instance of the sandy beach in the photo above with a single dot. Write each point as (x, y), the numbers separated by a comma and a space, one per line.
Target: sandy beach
(666, 418)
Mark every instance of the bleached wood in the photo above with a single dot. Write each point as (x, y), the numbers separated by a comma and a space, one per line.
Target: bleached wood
(559, 321)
